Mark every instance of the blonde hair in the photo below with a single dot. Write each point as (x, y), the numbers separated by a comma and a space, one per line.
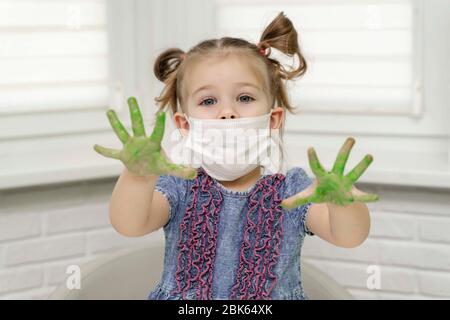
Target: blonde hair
(171, 65)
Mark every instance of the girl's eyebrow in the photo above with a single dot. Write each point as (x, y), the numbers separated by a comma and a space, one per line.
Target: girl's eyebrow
(248, 84)
(242, 84)
(202, 88)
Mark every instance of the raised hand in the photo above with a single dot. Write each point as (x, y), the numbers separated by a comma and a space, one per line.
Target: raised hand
(140, 154)
(333, 186)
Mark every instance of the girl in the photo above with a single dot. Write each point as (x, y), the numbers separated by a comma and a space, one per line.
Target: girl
(231, 232)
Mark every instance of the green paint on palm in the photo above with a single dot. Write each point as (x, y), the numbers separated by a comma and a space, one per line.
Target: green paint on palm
(140, 154)
(334, 186)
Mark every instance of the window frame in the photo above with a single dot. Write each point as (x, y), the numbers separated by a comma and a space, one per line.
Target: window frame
(62, 151)
(138, 38)
(429, 167)
(69, 157)
(410, 148)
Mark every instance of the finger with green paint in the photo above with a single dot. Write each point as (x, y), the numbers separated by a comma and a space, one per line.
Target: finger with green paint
(140, 154)
(334, 186)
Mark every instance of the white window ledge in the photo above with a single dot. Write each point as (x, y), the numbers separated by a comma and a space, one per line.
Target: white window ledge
(425, 170)
(85, 164)
(401, 178)
(56, 167)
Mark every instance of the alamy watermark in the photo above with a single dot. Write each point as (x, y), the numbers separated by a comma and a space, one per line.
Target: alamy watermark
(73, 281)
(374, 279)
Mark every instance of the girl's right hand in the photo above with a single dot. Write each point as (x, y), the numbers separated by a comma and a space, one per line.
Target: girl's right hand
(140, 154)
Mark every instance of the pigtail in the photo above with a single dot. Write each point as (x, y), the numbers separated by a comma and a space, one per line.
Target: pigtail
(167, 62)
(281, 34)
(165, 67)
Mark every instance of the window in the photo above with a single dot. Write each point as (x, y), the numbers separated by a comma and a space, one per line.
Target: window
(359, 52)
(376, 73)
(54, 56)
(56, 81)
(70, 60)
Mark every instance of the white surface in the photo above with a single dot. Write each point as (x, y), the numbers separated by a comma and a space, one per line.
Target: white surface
(85, 164)
(61, 166)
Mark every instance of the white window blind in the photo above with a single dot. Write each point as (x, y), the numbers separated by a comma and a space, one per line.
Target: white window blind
(56, 81)
(361, 54)
(53, 55)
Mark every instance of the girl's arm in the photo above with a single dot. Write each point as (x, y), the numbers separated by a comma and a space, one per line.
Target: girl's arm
(135, 209)
(344, 226)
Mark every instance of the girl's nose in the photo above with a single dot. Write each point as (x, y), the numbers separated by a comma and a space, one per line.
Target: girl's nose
(228, 116)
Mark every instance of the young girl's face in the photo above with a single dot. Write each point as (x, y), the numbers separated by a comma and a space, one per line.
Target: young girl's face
(224, 88)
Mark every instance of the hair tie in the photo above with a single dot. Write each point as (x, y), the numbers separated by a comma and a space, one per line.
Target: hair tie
(262, 50)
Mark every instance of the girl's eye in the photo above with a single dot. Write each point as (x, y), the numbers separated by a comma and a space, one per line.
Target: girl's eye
(206, 100)
(246, 100)
(210, 101)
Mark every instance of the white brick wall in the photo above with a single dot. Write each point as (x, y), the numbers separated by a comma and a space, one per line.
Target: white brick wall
(45, 229)
(409, 240)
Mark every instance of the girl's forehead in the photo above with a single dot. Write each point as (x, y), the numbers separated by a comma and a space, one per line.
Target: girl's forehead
(227, 65)
(222, 69)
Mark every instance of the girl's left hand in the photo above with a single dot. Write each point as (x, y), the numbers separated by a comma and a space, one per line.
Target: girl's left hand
(333, 186)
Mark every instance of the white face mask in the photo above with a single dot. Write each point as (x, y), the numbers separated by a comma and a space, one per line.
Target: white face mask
(227, 149)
